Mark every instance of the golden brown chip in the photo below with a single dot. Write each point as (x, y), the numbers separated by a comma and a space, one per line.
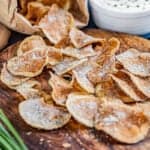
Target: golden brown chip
(105, 88)
(10, 80)
(106, 62)
(108, 89)
(29, 89)
(40, 115)
(54, 55)
(35, 12)
(80, 74)
(142, 84)
(61, 3)
(79, 53)
(23, 5)
(67, 65)
(124, 123)
(79, 10)
(30, 64)
(135, 62)
(60, 89)
(57, 24)
(30, 43)
(80, 39)
(145, 107)
(126, 85)
(83, 108)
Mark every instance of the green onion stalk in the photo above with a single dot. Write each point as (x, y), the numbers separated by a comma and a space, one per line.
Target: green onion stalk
(9, 137)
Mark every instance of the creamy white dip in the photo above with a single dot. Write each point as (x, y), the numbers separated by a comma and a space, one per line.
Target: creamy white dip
(126, 5)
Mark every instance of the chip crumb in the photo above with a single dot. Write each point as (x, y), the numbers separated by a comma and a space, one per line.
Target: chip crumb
(66, 145)
(29, 133)
(41, 139)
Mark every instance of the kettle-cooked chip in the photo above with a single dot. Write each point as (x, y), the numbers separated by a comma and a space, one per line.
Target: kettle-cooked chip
(29, 89)
(143, 84)
(38, 114)
(61, 3)
(35, 11)
(80, 39)
(145, 107)
(83, 108)
(60, 89)
(30, 43)
(54, 55)
(10, 80)
(79, 10)
(105, 88)
(135, 62)
(79, 53)
(57, 24)
(23, 5)
(106, 62)
(124, 123)
(80, 74)
(126, 85)
(99, 73)
(67, 65)
(30, 64)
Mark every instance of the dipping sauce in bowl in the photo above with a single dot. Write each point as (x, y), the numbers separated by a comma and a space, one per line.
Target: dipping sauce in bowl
(130, 16)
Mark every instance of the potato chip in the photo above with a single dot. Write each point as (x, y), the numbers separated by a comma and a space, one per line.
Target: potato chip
(57, 24)
(60, 89)
(135, 62)
(30, 64)
(20, 24)
(29, 89)
(124, 123)
(61, 3)
(108, 89)
(145, 107)
(105, 88)
(79, 53)
(79, 10)
(30, 43)
(100, 73)
(106, 62)
(10, 80)
(54, 55)
(40, 115)
(23, 5)
(78, 88)
(80, 39)
(83, 108)
(36, 11)
(67, 65)
(126, 85)
(120, 94)
(80, 74)
(142, 84)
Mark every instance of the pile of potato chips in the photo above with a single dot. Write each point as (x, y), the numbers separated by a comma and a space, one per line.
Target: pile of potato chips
(25, 15)
(88, 78)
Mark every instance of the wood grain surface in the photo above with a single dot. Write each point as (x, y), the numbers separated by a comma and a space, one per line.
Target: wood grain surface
(73, 136)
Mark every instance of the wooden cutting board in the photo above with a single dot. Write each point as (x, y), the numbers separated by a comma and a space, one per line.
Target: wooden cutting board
(73, 136)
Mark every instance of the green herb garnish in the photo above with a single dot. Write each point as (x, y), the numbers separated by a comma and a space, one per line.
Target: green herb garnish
(9, 137)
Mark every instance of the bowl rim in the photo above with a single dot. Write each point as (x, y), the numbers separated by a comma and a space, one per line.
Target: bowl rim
(117, 13)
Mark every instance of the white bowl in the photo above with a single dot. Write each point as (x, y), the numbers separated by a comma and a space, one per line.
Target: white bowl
(128, 22)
